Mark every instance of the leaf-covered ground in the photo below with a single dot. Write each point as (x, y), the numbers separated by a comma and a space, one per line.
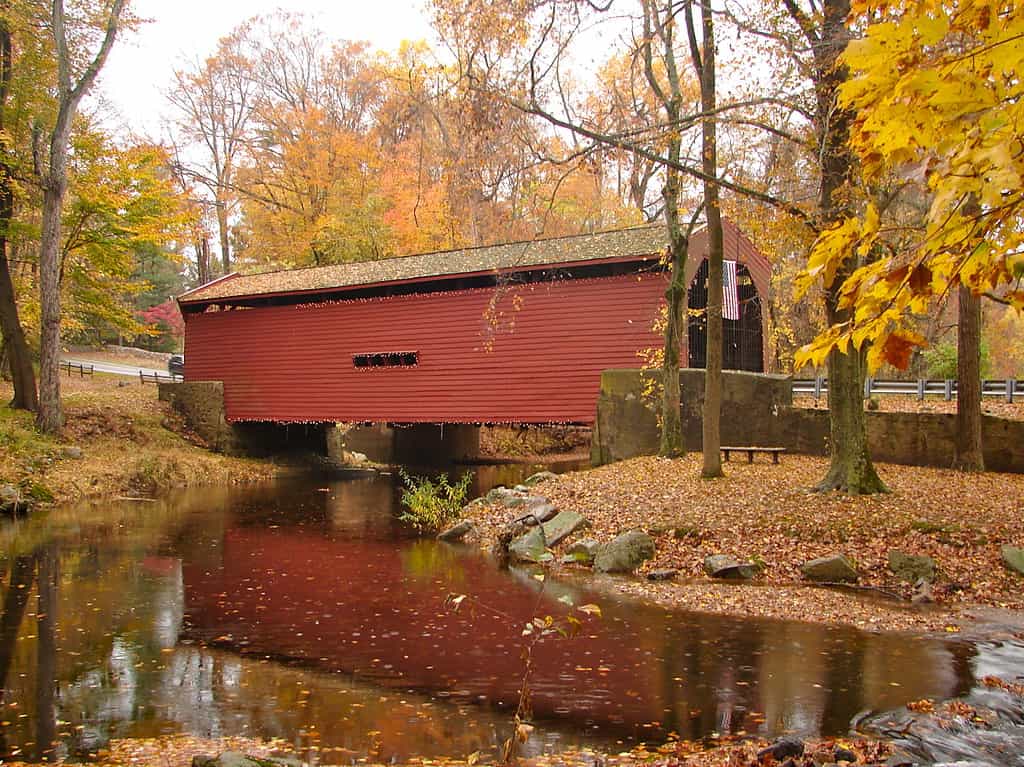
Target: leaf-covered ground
(131, 444)
(764, 513)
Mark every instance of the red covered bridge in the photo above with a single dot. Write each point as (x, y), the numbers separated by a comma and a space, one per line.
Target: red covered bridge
(515, 333)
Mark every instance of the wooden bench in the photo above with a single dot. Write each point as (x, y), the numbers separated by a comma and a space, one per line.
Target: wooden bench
(773, 451)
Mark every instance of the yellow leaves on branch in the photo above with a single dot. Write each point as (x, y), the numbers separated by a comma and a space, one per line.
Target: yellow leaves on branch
(937, 90)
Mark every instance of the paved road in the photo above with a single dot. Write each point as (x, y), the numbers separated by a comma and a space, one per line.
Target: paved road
(116, 369)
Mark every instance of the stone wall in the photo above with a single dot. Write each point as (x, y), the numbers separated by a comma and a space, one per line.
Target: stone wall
(626, 424)
(757, 410)
(202, 404)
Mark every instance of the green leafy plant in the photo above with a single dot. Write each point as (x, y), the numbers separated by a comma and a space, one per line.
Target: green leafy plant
(432, 504)
(940, 361)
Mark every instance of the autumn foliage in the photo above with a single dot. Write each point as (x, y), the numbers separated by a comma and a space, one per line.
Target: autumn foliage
(936, 89)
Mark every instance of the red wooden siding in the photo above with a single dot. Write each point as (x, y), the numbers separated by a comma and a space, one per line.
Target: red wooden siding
(539, 362)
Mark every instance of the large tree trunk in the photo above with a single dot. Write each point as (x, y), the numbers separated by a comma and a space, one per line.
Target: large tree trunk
(969, 455)
(23, 375)
(850, 469)
(54, 183)
(712, 433)
(672, 442)
(50, 418)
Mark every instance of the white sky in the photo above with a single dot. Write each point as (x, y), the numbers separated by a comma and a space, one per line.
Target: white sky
(140, 65)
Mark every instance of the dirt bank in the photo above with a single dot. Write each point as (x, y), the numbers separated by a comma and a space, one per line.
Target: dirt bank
(764, 513)
(118, 440)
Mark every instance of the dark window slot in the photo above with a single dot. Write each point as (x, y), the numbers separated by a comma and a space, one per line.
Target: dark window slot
(386, 360)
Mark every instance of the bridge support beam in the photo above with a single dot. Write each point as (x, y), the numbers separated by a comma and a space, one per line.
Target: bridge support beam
(425, 444)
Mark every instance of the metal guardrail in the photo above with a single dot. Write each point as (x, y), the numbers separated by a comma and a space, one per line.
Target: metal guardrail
(83, 370)
(1008, 388)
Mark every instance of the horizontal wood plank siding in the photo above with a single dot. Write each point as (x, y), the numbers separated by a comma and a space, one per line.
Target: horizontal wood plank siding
(528, 354)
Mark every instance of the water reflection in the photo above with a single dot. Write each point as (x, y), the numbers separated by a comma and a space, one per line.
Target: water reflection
(301, 611)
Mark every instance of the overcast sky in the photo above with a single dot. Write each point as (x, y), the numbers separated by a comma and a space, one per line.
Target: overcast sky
(140, 65)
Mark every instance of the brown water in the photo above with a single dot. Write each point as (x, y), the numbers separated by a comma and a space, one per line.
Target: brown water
(301, 610)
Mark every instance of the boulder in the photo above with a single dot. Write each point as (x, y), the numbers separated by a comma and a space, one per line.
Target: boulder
(540, 476)
(624, 553)
(531, 547)
(71, 452)
(1013, 557)
(724, 566)
(782, 749)
(668, 574)
(581, 552)
(456, 532)
(831, 569)
(561, 526)
(911, 567)
(540, 507)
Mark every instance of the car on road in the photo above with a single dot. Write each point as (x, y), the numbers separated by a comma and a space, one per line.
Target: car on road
(176, 365)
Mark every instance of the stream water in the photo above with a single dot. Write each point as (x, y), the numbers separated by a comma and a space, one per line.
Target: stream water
(302, 610)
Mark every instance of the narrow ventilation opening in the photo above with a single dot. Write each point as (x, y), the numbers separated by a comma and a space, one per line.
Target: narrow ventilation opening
(386, 360)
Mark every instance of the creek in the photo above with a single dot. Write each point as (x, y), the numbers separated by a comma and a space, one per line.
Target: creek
(302, 610)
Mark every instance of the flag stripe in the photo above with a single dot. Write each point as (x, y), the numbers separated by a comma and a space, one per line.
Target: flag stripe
(730, 291)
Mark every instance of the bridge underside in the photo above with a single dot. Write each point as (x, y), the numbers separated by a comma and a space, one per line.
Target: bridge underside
(424, 443)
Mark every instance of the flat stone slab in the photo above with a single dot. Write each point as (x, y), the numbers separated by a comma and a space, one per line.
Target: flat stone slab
(1013, 557)
(728, 568)
(531, 547)
(540, 476)
(456, 532)
(562, 525)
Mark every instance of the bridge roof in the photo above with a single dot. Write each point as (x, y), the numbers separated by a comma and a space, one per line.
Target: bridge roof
(621, 244)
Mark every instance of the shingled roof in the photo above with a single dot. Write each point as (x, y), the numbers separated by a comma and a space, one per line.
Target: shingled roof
(620, 244)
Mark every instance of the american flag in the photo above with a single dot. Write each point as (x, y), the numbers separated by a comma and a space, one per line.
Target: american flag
(730, 294)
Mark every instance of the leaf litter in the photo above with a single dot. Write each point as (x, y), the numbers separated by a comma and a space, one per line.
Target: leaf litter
(764, 513)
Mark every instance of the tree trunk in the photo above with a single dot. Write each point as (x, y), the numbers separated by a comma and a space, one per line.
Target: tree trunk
(712, 433)
(22, 373)
(969, 455)
(850, 469)
(672, 442)
(50, 418)
(222, 228)
(203, 259)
